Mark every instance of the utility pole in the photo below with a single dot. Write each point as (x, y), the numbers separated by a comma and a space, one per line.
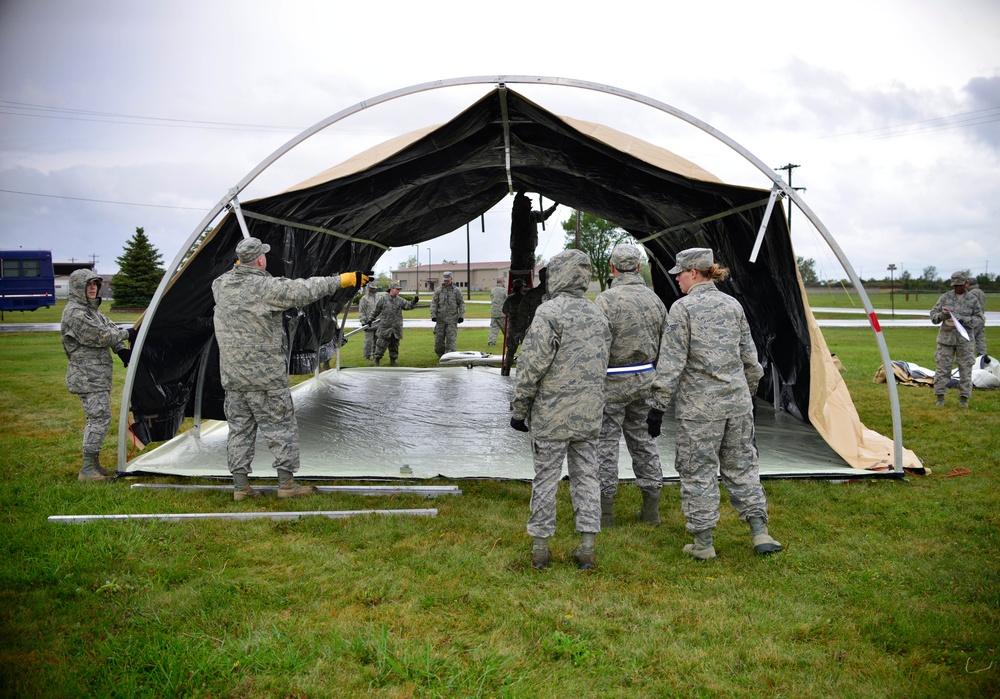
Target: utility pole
(788, 169)
(892, 297)
(93, 261)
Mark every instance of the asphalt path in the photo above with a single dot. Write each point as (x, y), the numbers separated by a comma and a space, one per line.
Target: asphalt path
(915, 319)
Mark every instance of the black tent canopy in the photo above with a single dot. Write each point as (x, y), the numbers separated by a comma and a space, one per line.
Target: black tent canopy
(433, 181)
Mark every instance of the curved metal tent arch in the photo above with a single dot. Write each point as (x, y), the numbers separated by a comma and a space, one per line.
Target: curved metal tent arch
(230, 200)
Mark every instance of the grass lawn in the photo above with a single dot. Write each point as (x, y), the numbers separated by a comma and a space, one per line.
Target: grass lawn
(887, 588)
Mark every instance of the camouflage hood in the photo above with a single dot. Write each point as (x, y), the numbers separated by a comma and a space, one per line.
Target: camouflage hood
(569, 273)
(78, 281)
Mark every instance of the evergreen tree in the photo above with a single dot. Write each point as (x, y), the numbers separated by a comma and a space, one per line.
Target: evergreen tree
(139, 273)
(597, 238)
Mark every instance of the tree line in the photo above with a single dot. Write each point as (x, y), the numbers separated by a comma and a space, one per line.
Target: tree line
(929, 278)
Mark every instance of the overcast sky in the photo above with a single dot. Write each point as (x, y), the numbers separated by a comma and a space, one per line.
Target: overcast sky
(116, 114)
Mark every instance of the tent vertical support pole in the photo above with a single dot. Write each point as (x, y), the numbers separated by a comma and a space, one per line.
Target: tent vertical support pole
(235, 204)
(776, 387)
(506, 137)
(763, 224)
(199, 389)
(154, 303)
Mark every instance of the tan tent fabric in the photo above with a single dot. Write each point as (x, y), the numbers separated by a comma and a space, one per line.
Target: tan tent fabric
(832, 412)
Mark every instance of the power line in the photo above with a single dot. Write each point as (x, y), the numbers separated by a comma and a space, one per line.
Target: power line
(24, 109)
(976, 117)
(104, 201)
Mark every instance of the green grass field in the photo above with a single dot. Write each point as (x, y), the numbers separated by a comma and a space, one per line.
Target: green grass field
(887, 588)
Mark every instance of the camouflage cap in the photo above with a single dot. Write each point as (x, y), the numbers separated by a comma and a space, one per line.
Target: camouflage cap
(693, 258)
(395, 285)
(971, 280)
(626, 257)
(249, 249)
(447, 275)
(959, 278)
(372, 285)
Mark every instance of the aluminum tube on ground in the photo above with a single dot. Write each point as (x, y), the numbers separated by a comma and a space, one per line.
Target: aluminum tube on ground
(428, 491)
(239, 516)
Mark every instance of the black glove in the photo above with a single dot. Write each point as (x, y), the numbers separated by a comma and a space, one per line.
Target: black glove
(461, 320)
(125, 355)
(518, 425)
(416, 298)
(654, 418)
(132, 334)
(433, 319)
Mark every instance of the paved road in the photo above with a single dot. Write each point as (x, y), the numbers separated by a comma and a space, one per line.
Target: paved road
(917, 319)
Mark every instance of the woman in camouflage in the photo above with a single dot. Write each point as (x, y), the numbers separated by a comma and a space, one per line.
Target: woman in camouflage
(708, 365)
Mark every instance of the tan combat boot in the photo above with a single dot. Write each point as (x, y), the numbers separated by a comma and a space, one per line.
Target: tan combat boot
(88, 471)
(288, 488)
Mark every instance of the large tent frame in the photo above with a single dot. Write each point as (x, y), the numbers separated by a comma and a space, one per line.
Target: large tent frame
(230, 201)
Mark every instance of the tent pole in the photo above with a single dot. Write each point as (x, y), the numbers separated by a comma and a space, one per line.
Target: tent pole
(502, 81)
(763, 224)
(199, 388)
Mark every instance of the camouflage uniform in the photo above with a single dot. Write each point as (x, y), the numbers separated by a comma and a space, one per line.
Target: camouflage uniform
(512, 339)
(952, 348)
(708, 365)
(637, 318)
(978, 336)
(530, 302)
(389, 311)
(448, 307)
(366, 309)
(497, 297)
(253, 359)
(87, 335)
(560, 394)
(524, 233)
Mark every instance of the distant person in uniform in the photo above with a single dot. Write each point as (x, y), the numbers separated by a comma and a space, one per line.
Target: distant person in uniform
(522, 316)
(533, 298)
(87, 337)
(510, 311)
(366, 307)
(559, 397)
(979, 334)
(389, 313)
(955, 306)
(447, 311)
(524, 233)
(637, 319)
(497, 296)
(252, 359)
(708, 365)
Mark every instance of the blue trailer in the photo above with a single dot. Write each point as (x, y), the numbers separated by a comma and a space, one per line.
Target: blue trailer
(26, 280)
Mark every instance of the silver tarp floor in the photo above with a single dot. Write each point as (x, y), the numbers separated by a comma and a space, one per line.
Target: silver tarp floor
(451, 422)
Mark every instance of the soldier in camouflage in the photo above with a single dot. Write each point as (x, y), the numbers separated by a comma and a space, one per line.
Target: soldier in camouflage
(389, 313)
(253, 359)
(952, 348)
(87, 335)
(559, 397)
(497, 296)
(524, 313)
(637, 319)
(979, 335)
(447, 311)
(509, 308)
(366, 309)
(708, 366)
